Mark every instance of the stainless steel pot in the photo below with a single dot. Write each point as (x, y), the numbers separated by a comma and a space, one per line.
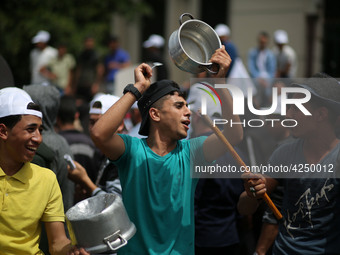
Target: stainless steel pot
(100, 223)
(193, 44)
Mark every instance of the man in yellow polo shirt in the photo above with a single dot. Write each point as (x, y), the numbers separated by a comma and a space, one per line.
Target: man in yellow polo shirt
(29, 194)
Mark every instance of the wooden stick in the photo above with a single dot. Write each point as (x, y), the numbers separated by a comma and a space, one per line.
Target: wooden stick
(238, 159)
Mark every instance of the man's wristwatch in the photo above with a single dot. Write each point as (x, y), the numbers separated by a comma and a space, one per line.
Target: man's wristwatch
(131, 88)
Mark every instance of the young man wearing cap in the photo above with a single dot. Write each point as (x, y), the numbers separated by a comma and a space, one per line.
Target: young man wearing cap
(158, 190)
(223, 31)
(154, 53)
(285, 56)
(30, 194)
(40, 56)
(48, 98)
(311, 200)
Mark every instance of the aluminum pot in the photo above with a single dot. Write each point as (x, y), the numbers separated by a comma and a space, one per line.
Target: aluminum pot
(100, 224)
(193, 44)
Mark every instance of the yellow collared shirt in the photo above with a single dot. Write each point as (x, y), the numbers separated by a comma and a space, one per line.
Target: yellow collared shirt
(28, 197)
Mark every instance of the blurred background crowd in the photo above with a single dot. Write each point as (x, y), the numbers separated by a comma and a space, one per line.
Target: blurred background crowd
(312, 26)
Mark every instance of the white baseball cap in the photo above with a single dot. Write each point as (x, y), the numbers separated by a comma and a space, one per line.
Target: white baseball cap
(42, 36)
(106, 101)
(222, 30)
(14, 101)
(154, 41)
(281, 36)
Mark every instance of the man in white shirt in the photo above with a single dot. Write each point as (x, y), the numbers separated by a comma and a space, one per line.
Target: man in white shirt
(285, 56)
(40, 56)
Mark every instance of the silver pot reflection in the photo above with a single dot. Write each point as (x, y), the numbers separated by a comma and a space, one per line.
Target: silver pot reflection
(193, 44)
(100, 223)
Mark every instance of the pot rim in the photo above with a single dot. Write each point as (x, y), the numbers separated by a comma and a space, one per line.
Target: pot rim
(92, 216)
(180, 42)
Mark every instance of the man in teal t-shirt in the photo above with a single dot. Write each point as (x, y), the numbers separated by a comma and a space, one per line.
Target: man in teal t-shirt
(158, 191)
(161, 208)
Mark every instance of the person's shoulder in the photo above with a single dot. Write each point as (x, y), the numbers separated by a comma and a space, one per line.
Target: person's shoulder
(131, 139)
(196, 141)
(288, 49)
(76, 135)
(53, 60)
(34, 53)
(287, 148)
(124, 53)
(126, 136)
(289, 143)
(253, 52)
(290, 53)
(289, 152)
(184, 142)
(51, 49)
(229, 43)
(270, 51)
(192, 139)
(44, 155)
(42, 171)
(231, 47)
(57, 143)
(70, 57)
(57, 139)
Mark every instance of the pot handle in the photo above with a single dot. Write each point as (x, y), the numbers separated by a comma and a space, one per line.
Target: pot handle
(184, 14)
(213, 65)
(113, 237)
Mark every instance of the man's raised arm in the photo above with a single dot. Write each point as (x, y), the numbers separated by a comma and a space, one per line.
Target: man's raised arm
(103, 133)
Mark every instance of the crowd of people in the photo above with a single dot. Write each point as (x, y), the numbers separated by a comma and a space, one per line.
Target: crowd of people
(142, 146)
(89, 73)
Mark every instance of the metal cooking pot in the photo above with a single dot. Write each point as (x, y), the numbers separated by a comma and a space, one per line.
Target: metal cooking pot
(100, 224)
(193, 44)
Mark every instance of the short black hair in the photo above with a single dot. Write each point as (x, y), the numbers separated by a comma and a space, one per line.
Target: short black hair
(12, 120)
(264, 33)
(112, 38)
(67, 109)
(319, 102)
(158, 104)
(97, 104)
(61, 44)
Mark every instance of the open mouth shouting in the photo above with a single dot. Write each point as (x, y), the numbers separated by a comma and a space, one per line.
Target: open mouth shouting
(186, 123)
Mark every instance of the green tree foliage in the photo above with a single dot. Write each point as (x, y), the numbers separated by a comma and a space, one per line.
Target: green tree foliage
(68, 21)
